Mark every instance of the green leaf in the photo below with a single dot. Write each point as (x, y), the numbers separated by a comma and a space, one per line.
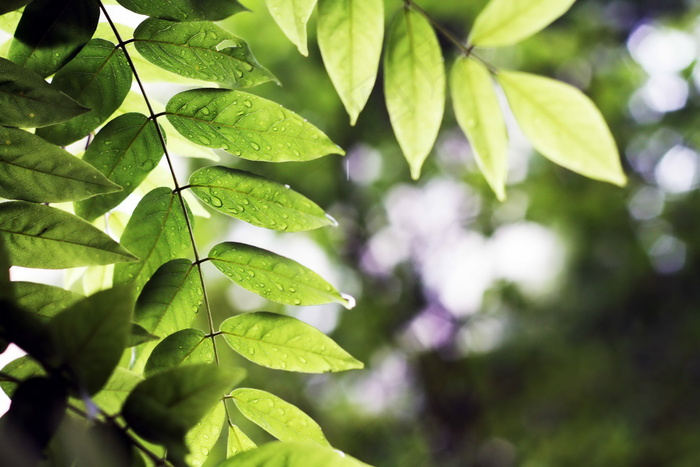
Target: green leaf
(291, 16)
(112, 396)
(292, 454)
(45, 301)
(479, 115)
(256, 200)
(285, 343)
(38, 236)
(34, 170)
(187, 346)
(92, 334)
(51, 32)
(98, 78)
(237, 441)
(126, 150)
(247, 126)
(21, 368)
(157, 232)
(564, 125)
(185, 10)
(139, 336)
(28, 101)
(281, 419)
(201, 439)
(507, 22)
(200, 50)
(414, 86)
(273, 276)
(350, 35)
(12, 5)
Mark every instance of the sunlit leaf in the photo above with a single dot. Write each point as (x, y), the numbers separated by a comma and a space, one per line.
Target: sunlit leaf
(291, 16)
(185, 10)
(28, 101)
(479, 115)
(285, 343)
(201, 439)
(39, 236)
(350, 36)
(43, 300)
(98, 78)
(247, 126)
(414, 86)
(187, 346)
(256, 200)
(273, 276)
(281, 419)
(112, 396)
(200, 50)
(126, 150)
(238, 441)
(156, 233)
(51, 32)
(292, 454)
(564, 125)
(507, 22)
(34, 170)
(21, 368)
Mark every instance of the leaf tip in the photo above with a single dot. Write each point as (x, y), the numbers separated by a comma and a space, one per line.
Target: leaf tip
(348, 301)
(415, 171)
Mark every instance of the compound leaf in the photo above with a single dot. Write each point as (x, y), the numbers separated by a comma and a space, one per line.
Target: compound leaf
(202, 437)
(238, 441)
(185, 10)
(43, 300)
(186, 346)
(291, 16)
(112, 396)
(294, 454)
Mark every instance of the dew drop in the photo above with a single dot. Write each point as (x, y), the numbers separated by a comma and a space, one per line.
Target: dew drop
(255, 146)
(297, 301)
(247, 103)
(350, 301)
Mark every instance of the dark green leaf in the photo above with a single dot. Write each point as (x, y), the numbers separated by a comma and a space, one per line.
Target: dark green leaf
(292, 16)
(202, 438)
(34, 170)
(45, 301)
(51, 32)
(112, 396)
(98, 78)
(28, 101)
(292, 454)
(157, 232)
(285, 343)
(187, 346)
(238, 441)
(126, 150)
(273, 276)
(21, 368)
(200, 50)
(256, 200)
(12, 5)
(38, 236)
(91, 335)
(247, 126)
(185, 10)
(139, 336)
(29, 332)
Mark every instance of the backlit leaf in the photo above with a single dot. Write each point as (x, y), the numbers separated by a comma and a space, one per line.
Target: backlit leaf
(479, 115)
(39, 236)
(139, 336)
(238, 441)
(285, 343)
(563, 125)
(112, 396)
(200, 50)
(414, 86)
(20, 368)
(350, 36)
(43, 300)
(35, 170)
(98, 78)
(28, 101)
(256, 200)
(292, 454)
(51, 32)
(281, 419)
(273, 276)
(201, 439)
(186, 346)
(507, 22)
(126, 150)
(291, 16)
(185, 10)
(247, 126)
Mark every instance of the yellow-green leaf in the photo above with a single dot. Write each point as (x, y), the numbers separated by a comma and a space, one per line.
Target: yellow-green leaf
(237, 442)
(203, 436)
(291, 16)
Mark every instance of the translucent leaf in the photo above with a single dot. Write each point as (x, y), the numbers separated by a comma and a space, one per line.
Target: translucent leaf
(187, 346)
(112, 396)
(350, 36)
(238, 441)
(185, 10)
(126, 150)
(256, 200)
(479, 115)
(28, 101)
(43, 300)
(292, 454)
(281, 419)
(285, 343)
(291, 16)
(414, 86)
(247, 126)
(273, 276)
(201, 439)
(34, 170)
(51, 32)
(507, 22)
(563, 125)
(39, 236)
(92, 334)
(98, 78)
(157, 232)
(200, 50)
(21, 368)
